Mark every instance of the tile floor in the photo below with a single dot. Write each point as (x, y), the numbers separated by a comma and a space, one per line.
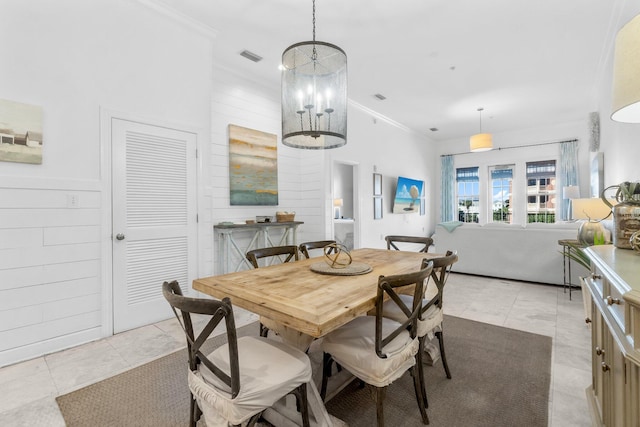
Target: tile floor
(29, 388)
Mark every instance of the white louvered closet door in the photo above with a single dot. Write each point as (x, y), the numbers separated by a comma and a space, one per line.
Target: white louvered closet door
(154, 219)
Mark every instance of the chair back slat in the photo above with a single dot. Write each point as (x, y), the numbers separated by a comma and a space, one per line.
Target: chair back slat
(387, 286)
(442, 266)
(319, 244)
(426, 242)
(289, 251)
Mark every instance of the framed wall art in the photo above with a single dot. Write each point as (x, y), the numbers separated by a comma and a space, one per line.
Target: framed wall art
(377, 184)
(253, 167)
(20, 132)
(377, 208)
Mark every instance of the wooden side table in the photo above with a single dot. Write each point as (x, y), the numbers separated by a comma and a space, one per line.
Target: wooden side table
(567, 247)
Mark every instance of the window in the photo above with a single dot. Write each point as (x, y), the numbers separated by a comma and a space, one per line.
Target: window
(541, 191)
(468, 194)
(501, 193)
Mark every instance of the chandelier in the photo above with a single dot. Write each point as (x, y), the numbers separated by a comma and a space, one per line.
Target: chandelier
(481, 141)
(314, 94)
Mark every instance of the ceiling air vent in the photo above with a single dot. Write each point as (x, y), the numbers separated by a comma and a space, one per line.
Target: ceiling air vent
(251, 56)
(380, 96)
(433, 129)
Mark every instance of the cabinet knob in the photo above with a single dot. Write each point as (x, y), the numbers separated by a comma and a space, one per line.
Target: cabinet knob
(587, 320)
(120, 236)
(611, 300)
(599, 351)
(595, 276)
(605, 367)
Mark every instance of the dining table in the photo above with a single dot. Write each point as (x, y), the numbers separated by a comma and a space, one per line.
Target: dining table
(304, 300)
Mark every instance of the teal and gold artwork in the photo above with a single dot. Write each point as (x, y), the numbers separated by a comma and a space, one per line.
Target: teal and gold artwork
(253, 167)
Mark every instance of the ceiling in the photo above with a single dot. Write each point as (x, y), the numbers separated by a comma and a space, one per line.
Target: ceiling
(527, 63)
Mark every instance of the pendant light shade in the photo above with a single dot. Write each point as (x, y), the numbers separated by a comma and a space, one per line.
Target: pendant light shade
(314, 95)
(626, 69)
(481, 141)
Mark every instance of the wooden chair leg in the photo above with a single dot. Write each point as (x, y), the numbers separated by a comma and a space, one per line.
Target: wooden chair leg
(326, 373)
(193, 419)
(380, 394)
(304, 405)
(442, 355)
(418, 387)
(264, 331)
(419, 362)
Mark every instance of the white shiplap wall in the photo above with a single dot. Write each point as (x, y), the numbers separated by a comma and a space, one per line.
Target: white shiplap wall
(50, 287)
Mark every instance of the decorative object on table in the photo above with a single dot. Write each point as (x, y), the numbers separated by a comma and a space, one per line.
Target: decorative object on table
(408, 193)
(261, 219)
(480, 141)
(337, 204)
(634, 241)
(626, 85)
(284, 216)
(626, 214)
(21, 132)
(590, 213)
(253, 167)
(338, 262)
(314, 94)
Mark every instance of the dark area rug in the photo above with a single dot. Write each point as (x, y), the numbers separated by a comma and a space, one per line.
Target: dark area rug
(501, 377)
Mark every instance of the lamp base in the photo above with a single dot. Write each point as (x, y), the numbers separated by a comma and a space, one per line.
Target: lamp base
(592, 233)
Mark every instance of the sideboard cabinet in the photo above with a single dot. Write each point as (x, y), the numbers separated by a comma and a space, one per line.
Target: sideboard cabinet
(614, 314)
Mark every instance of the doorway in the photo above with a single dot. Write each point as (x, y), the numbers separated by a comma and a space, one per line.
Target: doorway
(346, 206)
(154, 225)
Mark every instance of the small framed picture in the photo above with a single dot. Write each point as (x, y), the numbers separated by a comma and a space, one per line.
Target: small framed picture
(377, 208)
(377, 184)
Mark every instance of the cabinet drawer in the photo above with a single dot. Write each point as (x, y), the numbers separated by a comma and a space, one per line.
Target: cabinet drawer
(615, 303)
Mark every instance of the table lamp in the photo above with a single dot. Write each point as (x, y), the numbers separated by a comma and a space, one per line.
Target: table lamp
(591, 212)
(336, 206)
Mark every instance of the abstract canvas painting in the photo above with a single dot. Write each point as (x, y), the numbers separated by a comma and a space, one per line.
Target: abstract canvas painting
(20, 132)
(253, 167)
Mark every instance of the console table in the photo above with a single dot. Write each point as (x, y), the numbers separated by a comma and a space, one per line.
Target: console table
(261, 239)
(614, 314)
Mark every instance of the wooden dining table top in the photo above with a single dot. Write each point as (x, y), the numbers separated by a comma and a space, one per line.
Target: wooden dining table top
(293, 295)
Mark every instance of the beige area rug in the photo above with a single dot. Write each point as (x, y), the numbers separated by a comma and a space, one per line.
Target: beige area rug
(501, 377)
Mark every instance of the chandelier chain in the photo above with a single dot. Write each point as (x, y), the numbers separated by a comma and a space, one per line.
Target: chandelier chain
(314, 20)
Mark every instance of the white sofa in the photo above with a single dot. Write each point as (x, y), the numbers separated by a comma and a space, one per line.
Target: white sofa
(530, 253)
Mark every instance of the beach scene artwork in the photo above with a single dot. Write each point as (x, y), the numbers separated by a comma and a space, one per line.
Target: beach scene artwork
(253, 167)
(408, 195)
(20, 132)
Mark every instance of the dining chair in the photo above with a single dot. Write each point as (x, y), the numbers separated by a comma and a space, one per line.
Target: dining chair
(238, 380)
(289, 251)
(319, 244)
(379, 350)
(425, 242)
(430, 321)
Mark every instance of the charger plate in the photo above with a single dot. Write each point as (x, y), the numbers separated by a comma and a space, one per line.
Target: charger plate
(353, 269)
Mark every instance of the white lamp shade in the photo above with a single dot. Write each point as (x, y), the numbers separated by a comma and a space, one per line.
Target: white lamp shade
(481, 142)
(626, 74)
(571, 192)
(337, 202)
(593, 208)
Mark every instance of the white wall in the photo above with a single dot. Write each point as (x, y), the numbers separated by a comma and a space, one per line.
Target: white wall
(620, 142)
(304, 176)
(107, 54)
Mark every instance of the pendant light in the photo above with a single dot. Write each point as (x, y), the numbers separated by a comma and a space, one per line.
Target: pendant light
(481, 141)
(314, 94)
